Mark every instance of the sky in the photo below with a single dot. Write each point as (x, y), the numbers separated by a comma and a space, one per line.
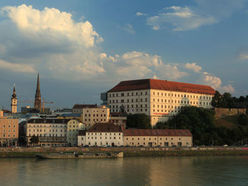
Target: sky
(82, 48)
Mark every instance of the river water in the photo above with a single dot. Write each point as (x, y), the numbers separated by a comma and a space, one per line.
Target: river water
(128, 171)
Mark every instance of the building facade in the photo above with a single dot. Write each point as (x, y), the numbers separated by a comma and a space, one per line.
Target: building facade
(73, 128)
(157, 138)
(158, 99)
(8, 131)
(93, 115)
(103, 135)
(46, 132)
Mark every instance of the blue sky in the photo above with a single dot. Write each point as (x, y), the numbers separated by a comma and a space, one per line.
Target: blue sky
(81, 48)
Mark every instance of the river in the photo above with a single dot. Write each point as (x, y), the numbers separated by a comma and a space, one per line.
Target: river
(128, 171)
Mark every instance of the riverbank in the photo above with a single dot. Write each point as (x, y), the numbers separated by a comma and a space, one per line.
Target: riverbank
(32, 152)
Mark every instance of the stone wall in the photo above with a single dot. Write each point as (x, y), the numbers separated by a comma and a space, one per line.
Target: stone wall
(222, 112)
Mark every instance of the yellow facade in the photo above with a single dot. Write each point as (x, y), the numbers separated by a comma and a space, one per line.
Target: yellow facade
(73, 127)
(91, 116)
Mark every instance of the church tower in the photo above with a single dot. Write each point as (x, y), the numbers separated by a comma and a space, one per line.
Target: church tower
(14, 101)
(37, 101)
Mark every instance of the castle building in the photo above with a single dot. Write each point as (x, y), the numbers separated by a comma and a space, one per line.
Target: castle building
(158, 99)
(14, 101)
(37, 101)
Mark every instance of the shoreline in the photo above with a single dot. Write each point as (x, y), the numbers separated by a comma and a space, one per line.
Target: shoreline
(32, 152)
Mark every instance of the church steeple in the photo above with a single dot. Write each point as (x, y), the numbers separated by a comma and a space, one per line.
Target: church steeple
(14, 101)
(37, 101)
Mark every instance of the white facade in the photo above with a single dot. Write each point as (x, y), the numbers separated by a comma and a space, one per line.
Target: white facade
(51, 132)
(158, 104)
(104, 139)
(158, 141)
(102, 135)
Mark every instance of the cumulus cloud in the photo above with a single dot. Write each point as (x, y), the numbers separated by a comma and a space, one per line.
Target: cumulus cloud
(203, 12)
(53, 23)
(193, 66)
(51, 42)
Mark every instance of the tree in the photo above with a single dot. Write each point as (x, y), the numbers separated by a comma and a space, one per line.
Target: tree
(34, 139)
(140, 121)
(243, 119)
(216, 101)
(199, 121)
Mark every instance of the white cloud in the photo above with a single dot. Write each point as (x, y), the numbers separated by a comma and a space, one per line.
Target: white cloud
(37, 37)
(227, 88)
(24, 68)
(203, 12)
(140, 14)
(181, 19)
(211, 80)
(128, 28)
(53, 23)
(193, 66)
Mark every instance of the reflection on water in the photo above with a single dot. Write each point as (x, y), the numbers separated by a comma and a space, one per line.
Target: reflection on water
(128, 171)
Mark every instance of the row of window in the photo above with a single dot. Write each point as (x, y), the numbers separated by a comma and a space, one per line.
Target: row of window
(9, 130)
(95, 115)
(4, 126)
(110, 133)
(96, 110)
(102, 138)
(166, 144)
(152, 139)
(127, 94)
(53, 130)
(116, 94)
(94, 120)
(182, 95)
(48, 135)
(9, 135)
(127, 101)
(52, 126)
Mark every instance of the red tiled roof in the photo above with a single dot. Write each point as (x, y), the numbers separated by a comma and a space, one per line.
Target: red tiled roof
(144, 84)
(157, 132)
(105, 127)
(81, 106)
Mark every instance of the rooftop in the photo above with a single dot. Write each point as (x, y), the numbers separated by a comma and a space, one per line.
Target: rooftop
(105, 127)
(157, 132)
(43, 120)
(144, 84)
(81, 106)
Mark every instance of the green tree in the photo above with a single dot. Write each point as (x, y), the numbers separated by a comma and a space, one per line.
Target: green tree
(199, 121)
(140, 121)
(34, 139)
(243, 119)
